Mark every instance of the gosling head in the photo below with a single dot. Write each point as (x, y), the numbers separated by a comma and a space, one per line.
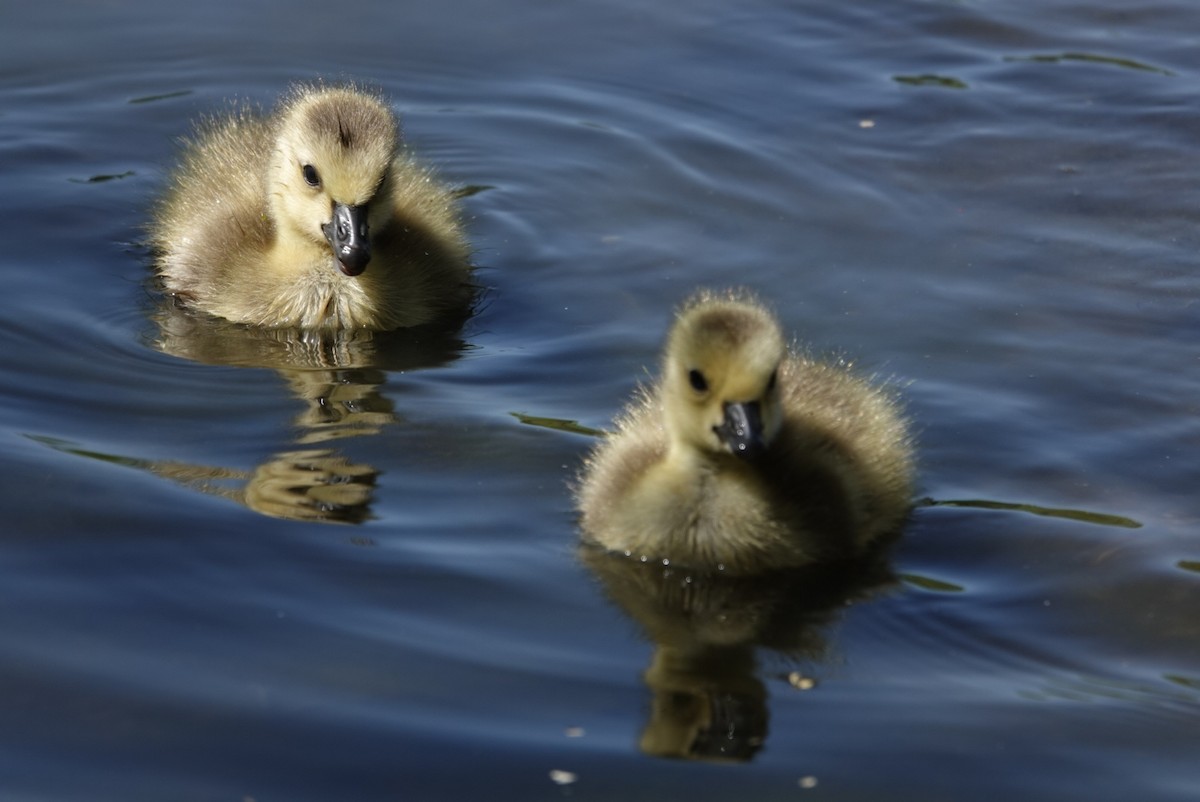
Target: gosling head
(334, 148)
(721, 377)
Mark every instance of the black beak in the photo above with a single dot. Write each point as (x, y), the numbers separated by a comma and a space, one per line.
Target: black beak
(742, 430)
(349, 236)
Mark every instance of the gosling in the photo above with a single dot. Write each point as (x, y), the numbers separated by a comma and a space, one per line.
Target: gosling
(747, 457)
(313, 217)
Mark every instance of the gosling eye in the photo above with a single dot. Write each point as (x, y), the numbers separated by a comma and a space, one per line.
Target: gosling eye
(310, 175)
(771, 382)
(697, 380)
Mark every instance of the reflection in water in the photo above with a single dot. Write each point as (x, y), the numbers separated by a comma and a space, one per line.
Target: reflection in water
(187, 334)
(311, 485)
(339, 403)
(708, 700)
(306, 485)
(336, 374)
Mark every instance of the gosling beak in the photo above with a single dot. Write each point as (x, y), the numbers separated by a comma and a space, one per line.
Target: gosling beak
(742, 430)
(348, 235)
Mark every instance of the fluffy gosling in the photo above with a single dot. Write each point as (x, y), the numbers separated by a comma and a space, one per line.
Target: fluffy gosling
(747, 457)
(312, 217)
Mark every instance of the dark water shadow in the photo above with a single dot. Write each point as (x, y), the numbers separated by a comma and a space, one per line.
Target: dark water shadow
(187, 334)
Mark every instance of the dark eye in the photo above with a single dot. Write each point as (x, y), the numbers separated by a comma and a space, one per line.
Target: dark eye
(771, 382)
(310, 175)
(697, 380)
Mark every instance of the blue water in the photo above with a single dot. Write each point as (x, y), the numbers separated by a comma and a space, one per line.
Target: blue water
(991, 205)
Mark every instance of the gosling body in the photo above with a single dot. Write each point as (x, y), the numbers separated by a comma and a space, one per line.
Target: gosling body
(747, 456)
(312, 217)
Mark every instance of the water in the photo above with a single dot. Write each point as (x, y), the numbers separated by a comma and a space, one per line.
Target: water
(993, 205)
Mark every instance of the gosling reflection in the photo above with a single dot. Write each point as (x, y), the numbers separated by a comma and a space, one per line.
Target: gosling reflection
(708, 700)
(338, 376)
(305, 485)
(707, 705)
(191, 335)
(312, 485)
(339, 403)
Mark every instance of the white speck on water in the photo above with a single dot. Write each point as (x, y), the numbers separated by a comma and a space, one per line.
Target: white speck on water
(561, 777)
(801, 682)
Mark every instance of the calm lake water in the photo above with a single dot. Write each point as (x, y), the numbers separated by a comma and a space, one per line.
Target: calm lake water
(994, 205)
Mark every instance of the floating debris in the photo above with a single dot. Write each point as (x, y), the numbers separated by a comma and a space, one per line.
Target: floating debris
(1092, 58)
(96, 179)
(929, 79)
(560, 424)
(163, 96)
(468, 190)
(1083, 516)
(929, 583)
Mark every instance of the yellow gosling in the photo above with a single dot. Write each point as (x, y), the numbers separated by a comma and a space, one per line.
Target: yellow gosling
(312, 217)
(746, 456)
